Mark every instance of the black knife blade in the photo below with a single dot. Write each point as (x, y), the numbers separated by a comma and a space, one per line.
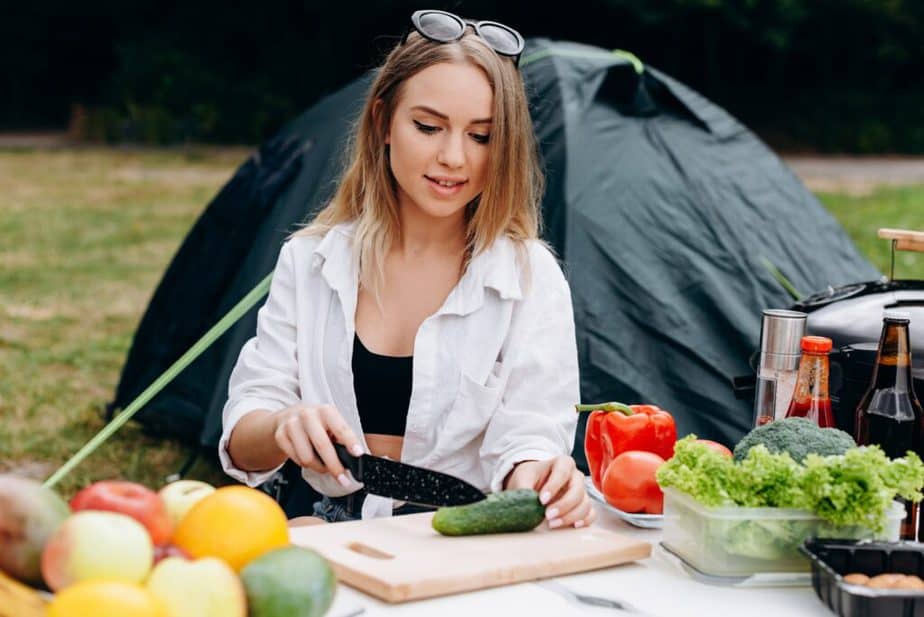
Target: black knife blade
(417, 485)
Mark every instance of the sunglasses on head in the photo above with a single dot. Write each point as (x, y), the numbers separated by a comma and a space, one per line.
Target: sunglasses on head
(443, 27)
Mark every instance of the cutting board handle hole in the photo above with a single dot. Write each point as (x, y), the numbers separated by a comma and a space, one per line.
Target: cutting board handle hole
(368, 551)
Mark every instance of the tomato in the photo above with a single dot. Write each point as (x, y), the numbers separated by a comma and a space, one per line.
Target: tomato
(629, 482)
(715, 446)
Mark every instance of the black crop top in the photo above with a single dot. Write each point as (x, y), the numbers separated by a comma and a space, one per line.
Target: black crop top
(383, 389)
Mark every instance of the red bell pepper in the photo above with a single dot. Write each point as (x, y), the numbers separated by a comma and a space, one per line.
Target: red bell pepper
(614, 428)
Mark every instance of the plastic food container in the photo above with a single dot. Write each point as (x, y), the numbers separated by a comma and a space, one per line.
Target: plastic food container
(831, 559)
(735, 541)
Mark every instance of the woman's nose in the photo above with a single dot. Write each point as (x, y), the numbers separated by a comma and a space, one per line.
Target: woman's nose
(452, 151)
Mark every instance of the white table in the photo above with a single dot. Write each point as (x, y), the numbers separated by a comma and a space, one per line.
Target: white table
(656, 586)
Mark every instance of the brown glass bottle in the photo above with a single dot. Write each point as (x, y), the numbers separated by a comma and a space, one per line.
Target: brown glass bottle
(889, 414)
(810, 398)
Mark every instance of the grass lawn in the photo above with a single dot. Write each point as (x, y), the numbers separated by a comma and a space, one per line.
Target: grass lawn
(85, 236)
(899, 207)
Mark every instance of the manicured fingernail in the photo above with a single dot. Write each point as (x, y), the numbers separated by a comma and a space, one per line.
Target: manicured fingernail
(544, 497)
(578, 524)
(551, 513)
(343, 480)
(356, 449)
(556, 523)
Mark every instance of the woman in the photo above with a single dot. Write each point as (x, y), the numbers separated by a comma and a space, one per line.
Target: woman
(418, 316)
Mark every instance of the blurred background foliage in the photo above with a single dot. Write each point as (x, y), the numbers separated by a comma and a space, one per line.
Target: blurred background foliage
(813, 75)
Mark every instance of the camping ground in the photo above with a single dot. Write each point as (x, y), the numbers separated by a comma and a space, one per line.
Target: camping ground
(86, 235)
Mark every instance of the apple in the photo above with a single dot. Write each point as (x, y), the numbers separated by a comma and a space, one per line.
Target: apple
(181, 495)
(29, 515)
(130, 498)
(94, 545)
(206, 587)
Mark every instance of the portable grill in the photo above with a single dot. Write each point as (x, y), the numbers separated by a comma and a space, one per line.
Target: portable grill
(851, 316)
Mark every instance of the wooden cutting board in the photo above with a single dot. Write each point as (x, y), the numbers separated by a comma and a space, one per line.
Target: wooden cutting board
(402, 558)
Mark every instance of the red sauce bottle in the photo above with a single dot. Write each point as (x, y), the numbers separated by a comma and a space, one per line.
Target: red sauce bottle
(810, 398)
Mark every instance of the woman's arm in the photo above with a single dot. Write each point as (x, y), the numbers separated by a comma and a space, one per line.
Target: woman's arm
(264, 421)
(252, 446)
(264, 380)
(529, 438)
(305, 434)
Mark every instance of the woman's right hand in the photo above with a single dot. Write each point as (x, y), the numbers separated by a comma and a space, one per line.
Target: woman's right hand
(304, 433)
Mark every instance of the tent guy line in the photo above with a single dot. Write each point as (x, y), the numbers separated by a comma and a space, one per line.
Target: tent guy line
(230, 318)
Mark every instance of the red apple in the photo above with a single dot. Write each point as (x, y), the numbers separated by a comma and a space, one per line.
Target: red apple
(131, 498)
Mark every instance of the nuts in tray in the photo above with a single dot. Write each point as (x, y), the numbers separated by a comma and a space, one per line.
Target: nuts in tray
(886, 581)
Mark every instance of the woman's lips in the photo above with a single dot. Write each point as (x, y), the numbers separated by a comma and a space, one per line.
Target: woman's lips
(445, 191)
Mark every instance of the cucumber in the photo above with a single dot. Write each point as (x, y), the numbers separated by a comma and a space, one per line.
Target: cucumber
(503, 512)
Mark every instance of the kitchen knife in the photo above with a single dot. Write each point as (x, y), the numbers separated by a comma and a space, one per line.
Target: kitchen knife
(388, 478)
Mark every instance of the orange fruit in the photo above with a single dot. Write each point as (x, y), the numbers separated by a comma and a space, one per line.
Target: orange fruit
(235, 523)
(102, 598)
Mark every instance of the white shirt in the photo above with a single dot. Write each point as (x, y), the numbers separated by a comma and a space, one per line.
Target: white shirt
(495, 370)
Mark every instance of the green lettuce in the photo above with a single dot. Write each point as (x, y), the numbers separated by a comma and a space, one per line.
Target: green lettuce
(850, 492)
(857, 487)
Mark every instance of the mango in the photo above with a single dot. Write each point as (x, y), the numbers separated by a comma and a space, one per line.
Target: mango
(29, 515)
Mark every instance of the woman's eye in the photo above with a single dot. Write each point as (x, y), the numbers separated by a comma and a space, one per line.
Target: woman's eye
(482, 139)
(426, 128)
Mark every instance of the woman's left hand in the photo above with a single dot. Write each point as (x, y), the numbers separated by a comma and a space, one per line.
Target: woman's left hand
(561, 489)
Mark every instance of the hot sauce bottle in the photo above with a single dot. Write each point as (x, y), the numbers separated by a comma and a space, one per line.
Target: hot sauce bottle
(889, 414)
(810, 398)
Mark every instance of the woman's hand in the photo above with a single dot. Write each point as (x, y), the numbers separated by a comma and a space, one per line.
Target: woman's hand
(561, 489)
(304, 433)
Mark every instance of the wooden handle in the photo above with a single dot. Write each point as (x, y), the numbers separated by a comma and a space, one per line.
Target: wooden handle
(905, 239)
(18, 600)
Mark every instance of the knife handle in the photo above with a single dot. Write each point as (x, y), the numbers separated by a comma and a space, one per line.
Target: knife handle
(349, 461)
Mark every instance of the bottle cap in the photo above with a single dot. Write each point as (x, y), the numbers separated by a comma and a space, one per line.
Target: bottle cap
(781, 331)
(896, 315)
(816, 344)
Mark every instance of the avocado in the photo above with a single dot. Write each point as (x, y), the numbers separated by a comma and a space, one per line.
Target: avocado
(289, 582)
(503, 512)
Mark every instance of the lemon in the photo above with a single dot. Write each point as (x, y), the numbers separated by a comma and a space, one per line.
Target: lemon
(102, 598)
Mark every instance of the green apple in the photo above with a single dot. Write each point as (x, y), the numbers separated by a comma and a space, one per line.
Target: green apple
(181, 495)
(93, 544)
(206, 587)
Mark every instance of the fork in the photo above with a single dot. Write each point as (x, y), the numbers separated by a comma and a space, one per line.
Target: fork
(589, 600)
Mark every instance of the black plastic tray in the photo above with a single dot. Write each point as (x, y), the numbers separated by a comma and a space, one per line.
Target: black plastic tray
(831, 559)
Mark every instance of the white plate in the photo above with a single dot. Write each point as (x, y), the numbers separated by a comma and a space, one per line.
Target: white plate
(648, 521)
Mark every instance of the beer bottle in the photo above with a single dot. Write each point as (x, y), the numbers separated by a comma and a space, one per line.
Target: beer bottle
(810, 398)
(889, 414)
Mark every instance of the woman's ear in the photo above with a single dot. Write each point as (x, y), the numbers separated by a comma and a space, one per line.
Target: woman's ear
(377, 118)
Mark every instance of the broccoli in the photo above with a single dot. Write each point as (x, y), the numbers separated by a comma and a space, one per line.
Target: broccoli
(797, 436)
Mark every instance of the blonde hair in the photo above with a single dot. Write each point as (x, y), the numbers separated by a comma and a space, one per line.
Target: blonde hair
(509, 202)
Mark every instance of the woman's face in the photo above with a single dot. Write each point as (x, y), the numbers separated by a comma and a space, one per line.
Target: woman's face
(439, 139)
